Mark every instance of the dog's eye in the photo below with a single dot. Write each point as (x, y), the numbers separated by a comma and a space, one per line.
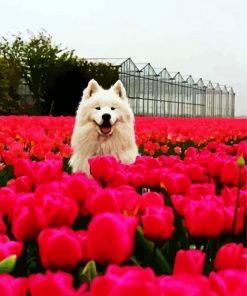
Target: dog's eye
(97, 108)
(112, 108)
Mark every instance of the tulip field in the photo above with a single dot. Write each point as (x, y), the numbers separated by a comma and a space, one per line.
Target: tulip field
(172, 223)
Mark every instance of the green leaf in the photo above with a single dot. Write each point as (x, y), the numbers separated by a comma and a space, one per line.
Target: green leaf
(162, 262)
(88, 273)
(6, 174)
(146, 244)
(134, 260)
(180, 235)
(8, 264)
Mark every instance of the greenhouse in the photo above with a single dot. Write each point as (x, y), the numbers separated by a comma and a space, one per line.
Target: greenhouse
(159, 93)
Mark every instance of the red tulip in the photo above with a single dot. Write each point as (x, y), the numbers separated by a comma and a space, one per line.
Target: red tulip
(111, 237)
(53, 284)
(198, 190)
(200, 219)
(136, 175)
(38, 172)
(151, 199)
(127, 280)
(59, 248)
(9, 157)
(175, 183)
(180, 202)
(10, 286)
(8, 198)
(103, 168)
(229, 173)
(28, 219)
(185, 284)
(158, 223)
(191, 152)
(229, 196)
(189, 261)
(164, 148)
(106, 200)
(215, 164)
(178, 150)
(231, 256)
(79, 187)
(57, 208)
(120, 178)
(9, 247)
(230, 282)
(23, 184)
(196, 173)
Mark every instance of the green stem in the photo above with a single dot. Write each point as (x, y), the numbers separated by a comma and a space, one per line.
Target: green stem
(134, 260)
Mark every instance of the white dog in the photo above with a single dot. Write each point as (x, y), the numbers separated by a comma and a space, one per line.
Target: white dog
(104, 125)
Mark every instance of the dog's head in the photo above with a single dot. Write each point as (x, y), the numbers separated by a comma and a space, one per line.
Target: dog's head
(106, 109)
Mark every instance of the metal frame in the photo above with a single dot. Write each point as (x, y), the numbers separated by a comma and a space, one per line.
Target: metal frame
(156, 93)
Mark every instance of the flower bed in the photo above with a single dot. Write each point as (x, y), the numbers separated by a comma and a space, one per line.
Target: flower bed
(172, 223)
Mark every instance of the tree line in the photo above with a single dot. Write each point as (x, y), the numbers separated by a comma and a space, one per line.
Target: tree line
(54, 76)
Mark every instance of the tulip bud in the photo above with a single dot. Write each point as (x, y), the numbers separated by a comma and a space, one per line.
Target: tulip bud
(240, 161)
(8, 264)
(89, 272)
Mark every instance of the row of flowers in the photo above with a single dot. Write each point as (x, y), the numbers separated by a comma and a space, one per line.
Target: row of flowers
(170, 225)
(133, 280)
(49, 137)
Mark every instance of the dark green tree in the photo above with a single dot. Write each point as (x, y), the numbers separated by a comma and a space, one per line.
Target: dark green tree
(65, 87)
(55, 76)
(35, 59)
(9, 81)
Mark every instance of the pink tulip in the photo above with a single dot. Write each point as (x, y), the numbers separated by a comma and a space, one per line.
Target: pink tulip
(53, 284)
(189, 261)
(231, 256)
(111, 237)
(200, 219)
(10, 286)
(158, 223)
(9, 247)
(127, 280)
(59, 248)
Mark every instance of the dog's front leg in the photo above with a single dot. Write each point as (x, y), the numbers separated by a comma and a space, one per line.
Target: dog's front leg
(79, 163)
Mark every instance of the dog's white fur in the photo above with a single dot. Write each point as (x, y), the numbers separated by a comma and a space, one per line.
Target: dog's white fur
(88, 140)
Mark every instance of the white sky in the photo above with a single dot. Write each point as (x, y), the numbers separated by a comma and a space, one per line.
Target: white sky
(206, 39)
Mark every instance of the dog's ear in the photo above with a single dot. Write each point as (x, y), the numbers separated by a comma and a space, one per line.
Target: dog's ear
(92, 88)
(120, 90)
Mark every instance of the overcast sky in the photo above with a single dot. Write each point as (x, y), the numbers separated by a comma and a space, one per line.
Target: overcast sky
(206, 39)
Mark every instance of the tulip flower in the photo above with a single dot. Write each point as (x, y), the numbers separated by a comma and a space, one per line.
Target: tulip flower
(10, 286)
(9, 247)
(200, 219)
(189, 261)
(111, 237)
(59, 248)
(53, 284)
(231, 256)
(103, 168)
(158, 223)
(128, 280)
(228, 282)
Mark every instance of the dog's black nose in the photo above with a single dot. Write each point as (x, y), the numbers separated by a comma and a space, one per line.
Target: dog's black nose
(106, 117)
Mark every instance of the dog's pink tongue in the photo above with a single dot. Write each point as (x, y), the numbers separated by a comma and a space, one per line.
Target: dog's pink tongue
(105, 130)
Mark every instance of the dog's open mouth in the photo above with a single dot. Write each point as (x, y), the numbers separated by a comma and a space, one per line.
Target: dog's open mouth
(105, 129)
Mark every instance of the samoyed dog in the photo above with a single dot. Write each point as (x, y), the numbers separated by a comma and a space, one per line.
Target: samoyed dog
(104, 125)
